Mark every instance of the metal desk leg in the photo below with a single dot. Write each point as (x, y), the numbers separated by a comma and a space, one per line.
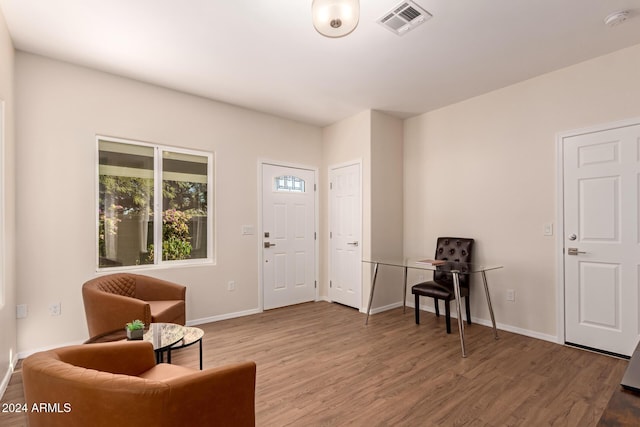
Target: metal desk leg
(373, 287)
(201, 354)
(456, 289)
(404, 295)
(486, 291)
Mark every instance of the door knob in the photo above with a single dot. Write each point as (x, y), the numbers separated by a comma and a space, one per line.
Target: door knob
(352, 243)
(573, 237)
(574, 251)
(268, 244)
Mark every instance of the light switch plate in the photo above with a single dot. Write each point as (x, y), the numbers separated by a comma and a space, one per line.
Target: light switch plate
(21, 311)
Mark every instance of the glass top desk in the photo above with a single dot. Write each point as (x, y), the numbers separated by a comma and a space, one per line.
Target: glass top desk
(455, 268)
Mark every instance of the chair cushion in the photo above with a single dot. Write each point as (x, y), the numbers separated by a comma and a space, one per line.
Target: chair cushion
(169, 311)
(437, 290)
(164, 371)
(432, 289)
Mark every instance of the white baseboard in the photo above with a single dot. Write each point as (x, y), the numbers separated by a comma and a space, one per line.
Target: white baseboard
(479, 321)
(195, 322)
(5, 380)
(24, 354)
(383, 308)
(7, 375)
(226, 316)
(519, 331)
(27, 353)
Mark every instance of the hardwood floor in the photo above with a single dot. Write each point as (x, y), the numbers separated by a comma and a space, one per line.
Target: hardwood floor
(319, 365)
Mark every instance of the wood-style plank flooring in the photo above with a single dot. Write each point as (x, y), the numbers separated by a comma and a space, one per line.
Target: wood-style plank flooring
(319, 365)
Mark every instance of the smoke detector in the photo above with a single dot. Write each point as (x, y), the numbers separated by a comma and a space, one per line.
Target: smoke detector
(404, 17)
(616, 18)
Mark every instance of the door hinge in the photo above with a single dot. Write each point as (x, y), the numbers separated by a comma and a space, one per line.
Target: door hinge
(331, 234)
(315, 236)
(315, 284)
(315, 188)
(331, 186)
(330, 284)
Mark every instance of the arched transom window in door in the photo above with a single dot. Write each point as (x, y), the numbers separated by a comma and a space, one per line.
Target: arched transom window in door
(289, 183)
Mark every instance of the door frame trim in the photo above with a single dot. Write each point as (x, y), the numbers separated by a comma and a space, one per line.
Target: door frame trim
(358, 162)
(560, 267)
(259, 240)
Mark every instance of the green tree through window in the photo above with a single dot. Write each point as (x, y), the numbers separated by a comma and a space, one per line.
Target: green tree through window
(128, 180)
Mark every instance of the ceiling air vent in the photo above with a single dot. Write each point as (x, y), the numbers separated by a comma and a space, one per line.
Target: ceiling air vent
(404, 17)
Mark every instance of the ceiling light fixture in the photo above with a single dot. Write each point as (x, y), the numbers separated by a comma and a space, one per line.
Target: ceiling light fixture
(616, 18)
(335, 18)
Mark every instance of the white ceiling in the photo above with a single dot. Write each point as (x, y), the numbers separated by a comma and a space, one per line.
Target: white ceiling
(266, 55)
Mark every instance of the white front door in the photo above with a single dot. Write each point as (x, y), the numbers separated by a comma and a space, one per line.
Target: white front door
(602, 241)
(288, 227)
(345, 286)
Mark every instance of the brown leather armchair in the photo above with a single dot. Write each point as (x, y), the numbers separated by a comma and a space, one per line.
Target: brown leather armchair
(113, 300)
(119, 384)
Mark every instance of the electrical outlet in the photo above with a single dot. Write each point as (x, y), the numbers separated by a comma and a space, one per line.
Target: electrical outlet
(21, 311)
(231, 286)
(55, 309)
(511, 295)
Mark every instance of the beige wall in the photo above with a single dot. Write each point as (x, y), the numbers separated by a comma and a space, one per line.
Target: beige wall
(483, 168)
(61, 109)
(8, 349)
(486, 168)
(375, 139)
(345, 141)
(387, 205)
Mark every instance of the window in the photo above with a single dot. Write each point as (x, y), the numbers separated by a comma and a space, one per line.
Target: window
(138, 183)
(2, 202)
(288, 183)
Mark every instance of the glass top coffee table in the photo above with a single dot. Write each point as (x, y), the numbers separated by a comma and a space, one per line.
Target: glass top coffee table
(162, 336)
(167, 337)
(191, 336)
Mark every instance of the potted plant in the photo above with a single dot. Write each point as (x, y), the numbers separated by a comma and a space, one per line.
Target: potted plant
(135, 330)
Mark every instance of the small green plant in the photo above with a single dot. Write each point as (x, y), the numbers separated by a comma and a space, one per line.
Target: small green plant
(135, 325)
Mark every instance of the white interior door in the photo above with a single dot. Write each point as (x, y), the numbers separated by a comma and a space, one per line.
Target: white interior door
(288, 224)
(602, 242)
(346, 236)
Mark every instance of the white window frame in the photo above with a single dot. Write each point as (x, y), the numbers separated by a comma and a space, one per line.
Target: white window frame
(3, 193)
(157, 206)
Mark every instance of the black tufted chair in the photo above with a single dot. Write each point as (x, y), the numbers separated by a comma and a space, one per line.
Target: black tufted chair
(454, 249)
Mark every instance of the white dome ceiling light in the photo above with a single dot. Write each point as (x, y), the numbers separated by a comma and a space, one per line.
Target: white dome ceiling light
(616, 18)
(335, 18)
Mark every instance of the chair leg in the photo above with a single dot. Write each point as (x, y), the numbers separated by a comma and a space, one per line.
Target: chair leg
(468, 307)
(437, 306)
(447, 314)
(417, 304)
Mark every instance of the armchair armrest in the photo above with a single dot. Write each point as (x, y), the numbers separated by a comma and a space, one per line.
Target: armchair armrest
(154, 289)
(109, 312)
(220, 396)
(108, 357)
